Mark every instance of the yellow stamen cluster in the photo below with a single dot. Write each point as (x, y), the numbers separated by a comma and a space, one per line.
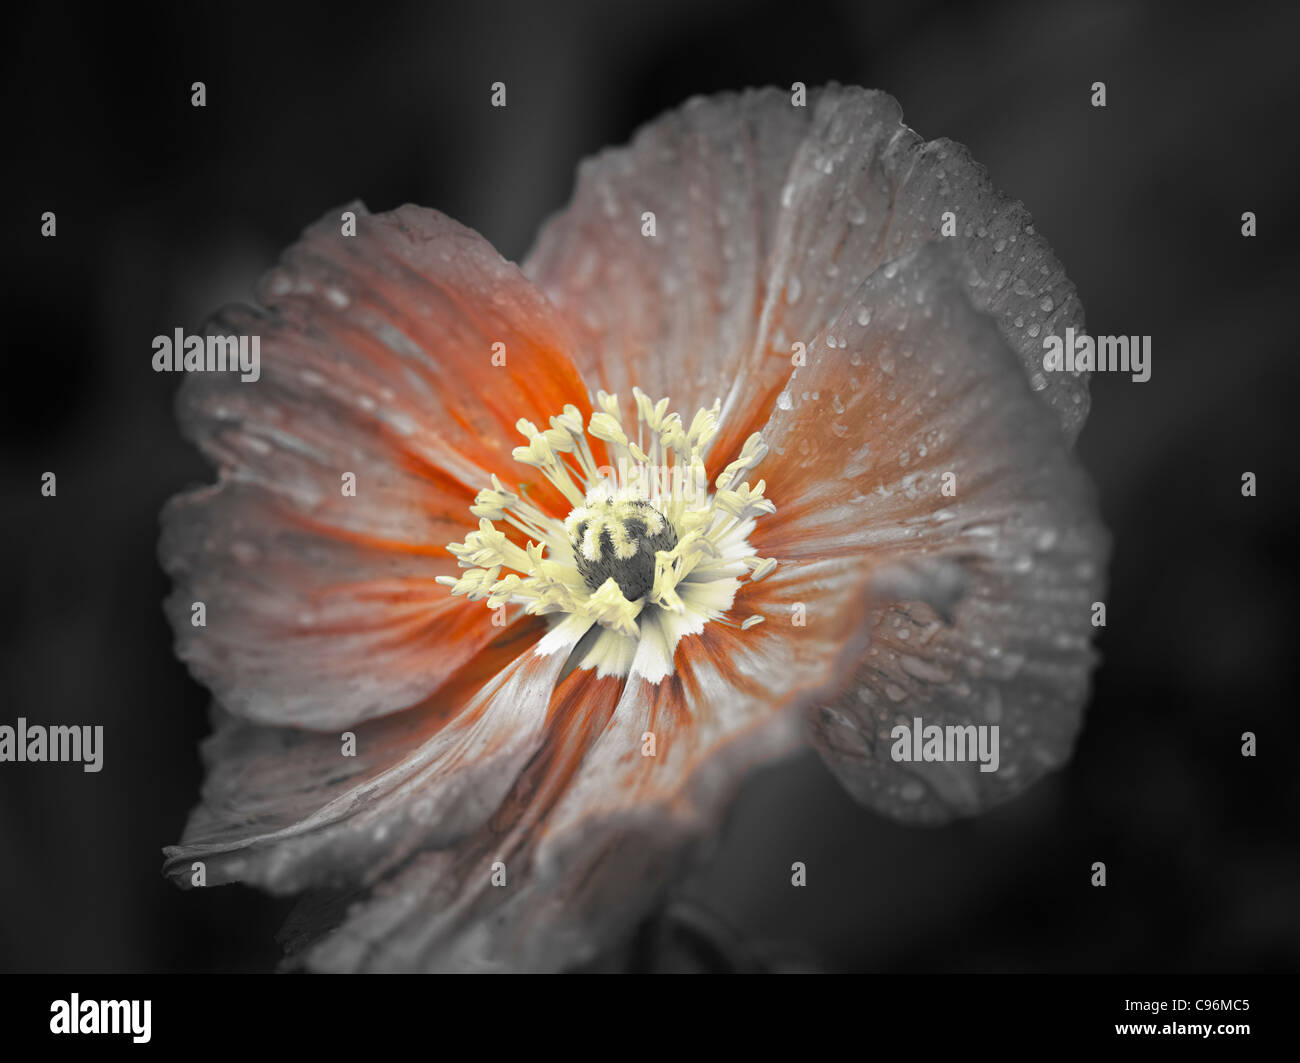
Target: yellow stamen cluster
(641, 531)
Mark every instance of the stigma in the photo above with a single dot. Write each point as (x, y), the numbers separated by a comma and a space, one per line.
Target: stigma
(650, 552)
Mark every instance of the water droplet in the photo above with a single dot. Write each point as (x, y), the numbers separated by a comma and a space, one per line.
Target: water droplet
(925, 670)
(400, 422)
(245, 553)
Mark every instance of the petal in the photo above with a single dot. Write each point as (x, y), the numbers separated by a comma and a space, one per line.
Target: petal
(594, 831)
(286, 809)
(677, 313)
(442, 911)
(727, 707)
(924, 391)
(307, 624)
(383, 341)
(864, 190)
(376, 360)
(768, 217)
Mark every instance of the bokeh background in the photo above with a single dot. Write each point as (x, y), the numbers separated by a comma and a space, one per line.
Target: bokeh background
(165, 212)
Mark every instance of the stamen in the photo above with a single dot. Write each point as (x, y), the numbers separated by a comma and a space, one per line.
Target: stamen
(648, 535)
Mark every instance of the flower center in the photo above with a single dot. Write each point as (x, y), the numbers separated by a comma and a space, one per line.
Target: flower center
(619, 541)
(647, 556)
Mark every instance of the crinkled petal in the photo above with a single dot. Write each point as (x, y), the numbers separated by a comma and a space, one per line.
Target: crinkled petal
(445, 910)
(304, 623)
(595, 830)
(982, 598)
(675, 313)
(767, 219)
(287, 809)
(376, 360)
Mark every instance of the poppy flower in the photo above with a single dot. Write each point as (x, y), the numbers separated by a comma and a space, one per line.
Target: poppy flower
(755, 451)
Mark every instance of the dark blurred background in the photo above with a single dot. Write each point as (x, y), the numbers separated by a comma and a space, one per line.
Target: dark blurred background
(166, 211)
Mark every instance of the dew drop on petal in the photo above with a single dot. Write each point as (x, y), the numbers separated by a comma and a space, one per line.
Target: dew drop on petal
(911, 791)
(925, 670)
